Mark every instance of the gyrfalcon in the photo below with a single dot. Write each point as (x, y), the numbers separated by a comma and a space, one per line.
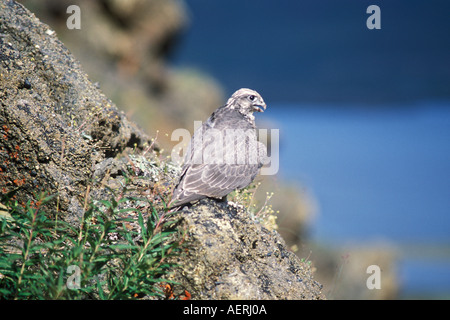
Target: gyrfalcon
(224, 153)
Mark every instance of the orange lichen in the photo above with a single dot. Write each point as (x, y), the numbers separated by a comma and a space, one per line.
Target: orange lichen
(187, 295)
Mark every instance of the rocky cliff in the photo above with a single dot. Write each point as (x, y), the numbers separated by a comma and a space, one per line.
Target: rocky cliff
(60, 134)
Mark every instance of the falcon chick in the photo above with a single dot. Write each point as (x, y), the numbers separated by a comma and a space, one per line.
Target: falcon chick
(224, 153)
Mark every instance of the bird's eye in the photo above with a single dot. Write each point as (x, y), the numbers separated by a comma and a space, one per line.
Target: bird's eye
(252, 97)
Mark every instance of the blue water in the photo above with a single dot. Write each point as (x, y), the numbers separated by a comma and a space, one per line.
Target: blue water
(321, 50)
(375, 174)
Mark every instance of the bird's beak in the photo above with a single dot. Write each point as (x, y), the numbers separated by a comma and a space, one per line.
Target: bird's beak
(259, 108)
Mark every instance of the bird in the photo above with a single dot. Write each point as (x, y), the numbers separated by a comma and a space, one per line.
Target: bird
(224, 153)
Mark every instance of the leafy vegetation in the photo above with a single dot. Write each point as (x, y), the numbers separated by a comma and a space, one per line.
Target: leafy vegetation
(115, 252)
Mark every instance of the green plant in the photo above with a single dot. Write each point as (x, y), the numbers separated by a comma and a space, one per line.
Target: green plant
(115, 252)
(265, 214)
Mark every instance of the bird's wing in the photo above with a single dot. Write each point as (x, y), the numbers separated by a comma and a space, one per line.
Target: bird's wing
(212, 180)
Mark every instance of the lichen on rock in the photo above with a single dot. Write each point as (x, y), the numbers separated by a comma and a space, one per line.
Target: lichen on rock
(233, 256)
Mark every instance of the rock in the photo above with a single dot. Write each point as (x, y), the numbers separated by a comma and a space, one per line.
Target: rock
(62, 135)
(232, 256)
(55, 124)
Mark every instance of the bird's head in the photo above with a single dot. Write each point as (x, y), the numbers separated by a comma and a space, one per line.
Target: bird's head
(246, 101)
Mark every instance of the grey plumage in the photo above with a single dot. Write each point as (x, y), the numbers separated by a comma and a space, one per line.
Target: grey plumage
(224, 153)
